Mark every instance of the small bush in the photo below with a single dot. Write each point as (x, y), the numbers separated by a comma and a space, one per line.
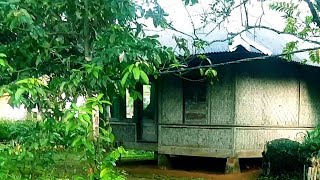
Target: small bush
(311, 145)
(283, 157)
(11, 130)
(4, 131)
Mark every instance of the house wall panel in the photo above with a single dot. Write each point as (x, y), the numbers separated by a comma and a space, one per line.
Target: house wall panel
(149, 130)
(171, 101)
(222, 99)
(309, 113)
(124, 132)
(196, 137)
(267, 94)
(250, 142)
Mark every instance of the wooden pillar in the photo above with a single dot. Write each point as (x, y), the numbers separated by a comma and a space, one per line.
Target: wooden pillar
(138, 112)
(232, 165)
(164, 161)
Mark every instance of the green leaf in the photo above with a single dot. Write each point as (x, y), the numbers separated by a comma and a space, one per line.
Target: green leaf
(69, 115)
(104, 172)
(100, 108)
(136, 73)
(100, 96)
(106, 102)
(2, 62)
(62, 86)
(2, 55)
(214, 72)
(76, 142)
(131, 67)
(18, 94)
(23, 81)
(78, 14)
(124, 79)
(86, 117)
(112, 38)
(30, 154)
(201, 72)
(38, 60)
(95, 74)
(144, 77)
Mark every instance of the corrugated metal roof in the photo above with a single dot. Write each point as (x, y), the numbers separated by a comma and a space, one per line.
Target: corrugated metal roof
(188, 24)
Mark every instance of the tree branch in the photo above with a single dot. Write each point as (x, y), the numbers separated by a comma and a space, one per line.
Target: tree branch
(237, 61)
(314, 13)
(267, 28)
(174, 29)
(226, 16)
(192, 23)
(86, 30)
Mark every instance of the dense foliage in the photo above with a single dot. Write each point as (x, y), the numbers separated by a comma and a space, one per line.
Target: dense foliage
(311, 144)
(12, 130)
(283, 157)
(286, 159)
(53, 52)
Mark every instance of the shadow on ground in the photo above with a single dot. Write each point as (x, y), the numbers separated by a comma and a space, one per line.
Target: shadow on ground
(190, 168)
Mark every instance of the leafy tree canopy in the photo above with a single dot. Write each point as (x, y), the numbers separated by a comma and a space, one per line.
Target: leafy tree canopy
(53, 51)
(77, 48)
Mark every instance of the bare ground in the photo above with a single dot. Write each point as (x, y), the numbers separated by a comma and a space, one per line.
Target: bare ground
(188, 170)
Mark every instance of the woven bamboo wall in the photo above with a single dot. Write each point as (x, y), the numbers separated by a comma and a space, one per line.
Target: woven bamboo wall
(309, 113)
(171, 101)
(222, 99)
(196, 141)
(267, 94)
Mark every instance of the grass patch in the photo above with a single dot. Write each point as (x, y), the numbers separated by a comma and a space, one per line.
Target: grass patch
(138, 155)
(68, 165)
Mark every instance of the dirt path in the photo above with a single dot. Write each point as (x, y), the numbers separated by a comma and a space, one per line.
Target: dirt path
(153, 173)
(187, 168)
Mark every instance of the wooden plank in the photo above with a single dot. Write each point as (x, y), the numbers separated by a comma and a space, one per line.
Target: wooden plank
(171, 101)
(234, 125)
(191, 151)
(141, 146)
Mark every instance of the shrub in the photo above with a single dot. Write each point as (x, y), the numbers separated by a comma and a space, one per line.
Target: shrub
(4, 131)
(283, 157)
(311, 145)
(11, 130)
